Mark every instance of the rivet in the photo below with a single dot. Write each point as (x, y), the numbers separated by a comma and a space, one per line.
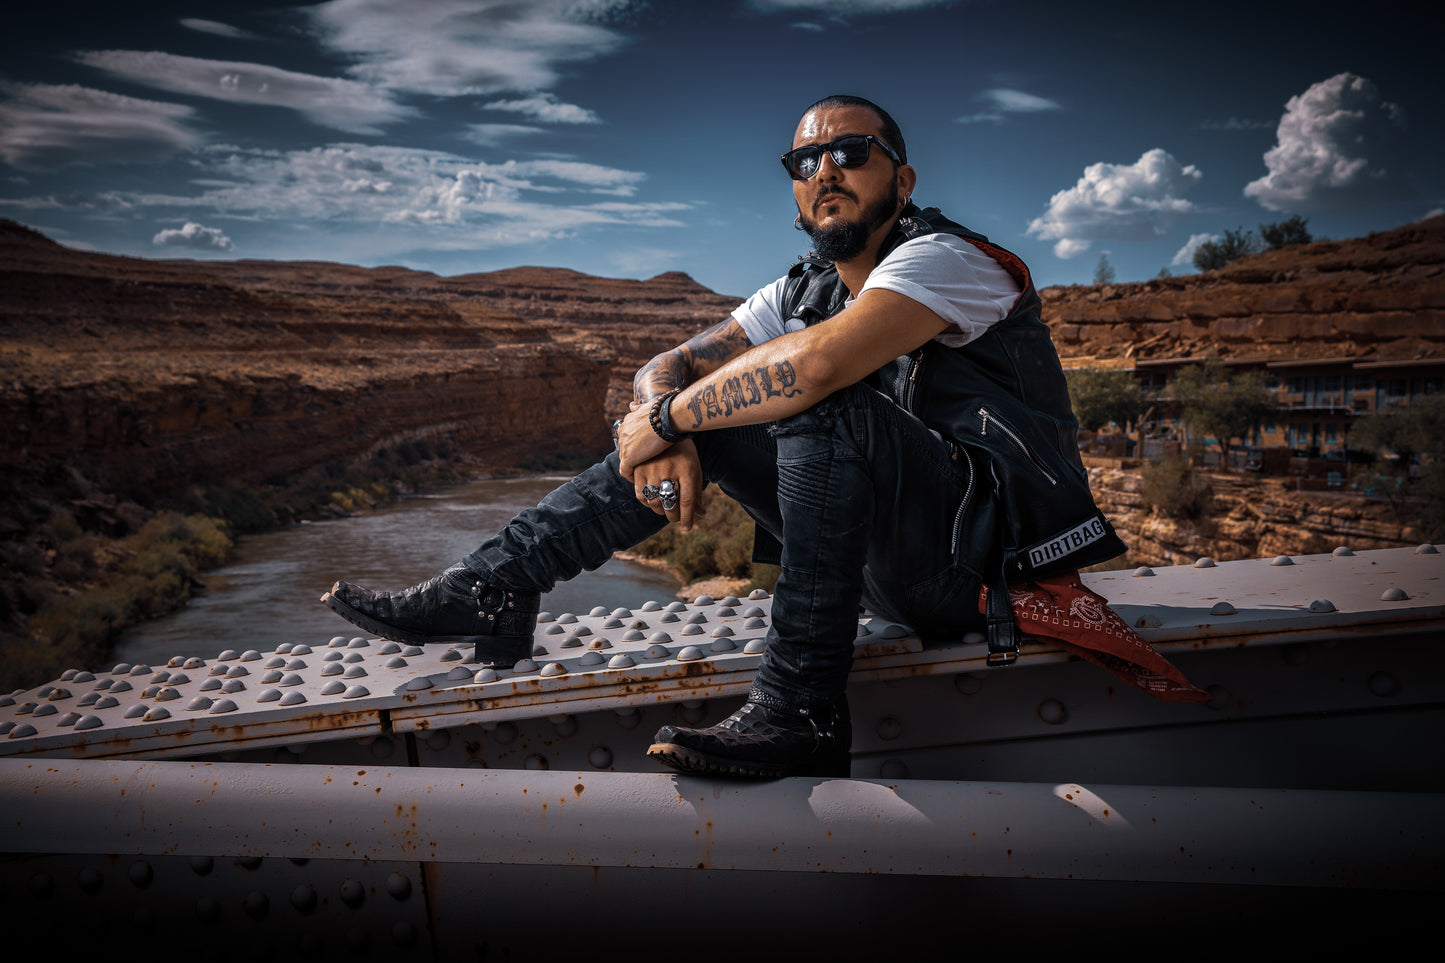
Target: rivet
(197, 704)
(721, 631)
(505, 732)
(235, 672)
(599, 643)
(332, 668)
(300, 648)
(226, 705)
(202, 865)
(166, 694)
(889, 728)
(284, 647)
(387, 648)
(21, 731)
(566, 618)
(757, 594)
(458, 673)
(862, 631)
(303, 898)
(633, 635)
(271, 677)
(256, 905)
(208, 909)
(895, 631)
(90, 880)
(42, 886)
(141, 873)
(1393, 594)
(1384, 684)
(692, 628)
(1219, 696)
(1322, 605)
(703, 600)
(484, 676)
(620, 661)
(337, 641)
(722, 645)
(121, 686)
(1222, 608)
(968, 683)
(555, 630)
(1143, 571)
(289, 699)
(755, 646)
(354, 692)
(581, 630)
(69, 719)
(613, 623)
(650, 606)
(353, 894)
(656, 652)
(157, 714)
(676, 607)
(395, 662)
(693, 711)
(275, 662)
(1282, 560)
(592, 658)
(688, 653)
(565, 724)
(600, 757)
(1205, 562)
(358, 643)
(354, 672)
(399, 886)
(628, 717)
(1053, 712)
(524, 665)
(536, 761)
(6, 726)
(1427, 550)
(331, 688)
(1342, 552)
(1147, 622)
(45, 710)
(439, 740)
(138, 670)
(250, 655)
(210, 685)
(893, 769)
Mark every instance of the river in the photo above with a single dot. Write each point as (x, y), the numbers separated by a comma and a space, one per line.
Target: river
(270, 591)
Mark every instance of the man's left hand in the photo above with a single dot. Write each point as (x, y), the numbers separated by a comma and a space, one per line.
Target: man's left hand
(636, 441)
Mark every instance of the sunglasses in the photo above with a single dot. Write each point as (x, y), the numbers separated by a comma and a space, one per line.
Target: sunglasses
(851, 151)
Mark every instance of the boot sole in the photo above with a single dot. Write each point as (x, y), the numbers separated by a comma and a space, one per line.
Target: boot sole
(508, 649)
(697, 762)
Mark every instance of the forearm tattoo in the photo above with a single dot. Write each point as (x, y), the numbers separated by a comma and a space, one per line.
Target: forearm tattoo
(777, 380)
(689, 361)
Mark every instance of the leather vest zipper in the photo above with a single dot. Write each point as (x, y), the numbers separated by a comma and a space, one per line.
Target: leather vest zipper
(1007, 431)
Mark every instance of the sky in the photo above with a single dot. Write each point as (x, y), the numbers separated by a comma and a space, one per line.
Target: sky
(626, 138)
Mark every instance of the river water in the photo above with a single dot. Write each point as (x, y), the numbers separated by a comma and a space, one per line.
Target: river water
(270, 592)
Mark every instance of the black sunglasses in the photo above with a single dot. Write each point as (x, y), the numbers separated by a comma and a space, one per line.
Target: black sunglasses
(851, 151)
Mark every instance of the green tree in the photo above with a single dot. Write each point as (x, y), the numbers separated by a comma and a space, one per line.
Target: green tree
(1214, 403)
(1102, 395)
(1234, 245)
(1284, 233)
(1415, 437)
(1104, 271)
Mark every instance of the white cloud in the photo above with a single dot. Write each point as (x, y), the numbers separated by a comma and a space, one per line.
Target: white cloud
(214, 27)
(1185, 255)
(1339, 146)
(359, 188)
(1436, 212)
(1121, 202)
(546, 108)
(43, 126)
(494, 135)
(194, 236)
(450, 48)
(333, 102)
(1234, 123)
(844, 6)
(1001, 101)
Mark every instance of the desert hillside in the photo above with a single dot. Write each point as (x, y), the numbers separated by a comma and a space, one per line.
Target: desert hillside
(130, 385)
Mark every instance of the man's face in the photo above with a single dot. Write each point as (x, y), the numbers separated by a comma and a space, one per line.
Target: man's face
(841, 208)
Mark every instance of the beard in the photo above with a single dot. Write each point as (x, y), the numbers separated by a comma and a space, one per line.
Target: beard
(845, 240)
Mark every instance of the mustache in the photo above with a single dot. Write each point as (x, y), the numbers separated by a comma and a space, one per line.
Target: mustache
(828, 192)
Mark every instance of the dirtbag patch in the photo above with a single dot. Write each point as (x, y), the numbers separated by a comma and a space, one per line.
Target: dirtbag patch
(1066, 543)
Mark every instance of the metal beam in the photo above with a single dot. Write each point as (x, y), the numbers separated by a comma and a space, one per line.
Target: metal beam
(918, 827)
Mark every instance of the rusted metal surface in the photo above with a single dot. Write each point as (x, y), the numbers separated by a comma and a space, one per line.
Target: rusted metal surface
(620, 660)
(910, 827)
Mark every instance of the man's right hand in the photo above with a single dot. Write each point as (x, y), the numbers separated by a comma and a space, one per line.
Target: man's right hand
(680, 464)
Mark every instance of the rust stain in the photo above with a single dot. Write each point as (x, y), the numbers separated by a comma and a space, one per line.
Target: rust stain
(578, 789)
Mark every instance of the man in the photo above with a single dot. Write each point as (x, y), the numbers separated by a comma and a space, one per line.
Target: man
(830, 405)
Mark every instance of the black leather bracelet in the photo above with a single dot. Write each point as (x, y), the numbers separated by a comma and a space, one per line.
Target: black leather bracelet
(661, 421)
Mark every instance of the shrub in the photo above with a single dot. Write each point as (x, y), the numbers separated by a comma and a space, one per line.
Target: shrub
(720, 544)
(1234, 245)
(1173, 488)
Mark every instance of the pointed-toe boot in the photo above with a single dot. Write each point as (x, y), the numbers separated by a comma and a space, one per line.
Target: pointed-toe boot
(457, 607)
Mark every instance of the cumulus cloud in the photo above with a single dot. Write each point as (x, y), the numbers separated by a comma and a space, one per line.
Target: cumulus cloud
(43, 126)
(1121, 202)
(1002, 101)
(1339, 146)
(214, 27)
(1185, 255)
(333, 102)
(195, 237)
(546, 108)
(449, 48)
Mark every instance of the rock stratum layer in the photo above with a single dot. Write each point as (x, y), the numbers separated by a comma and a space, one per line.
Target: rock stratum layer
(156, 375)
(1377, 298)
(163, 374)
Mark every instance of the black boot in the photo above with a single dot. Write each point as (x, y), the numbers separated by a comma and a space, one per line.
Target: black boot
(765, 739)
(457, 606)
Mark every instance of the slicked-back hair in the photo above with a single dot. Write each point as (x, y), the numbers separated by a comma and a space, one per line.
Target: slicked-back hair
(889, 131)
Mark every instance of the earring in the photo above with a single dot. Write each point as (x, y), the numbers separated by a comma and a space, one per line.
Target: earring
(798, 223)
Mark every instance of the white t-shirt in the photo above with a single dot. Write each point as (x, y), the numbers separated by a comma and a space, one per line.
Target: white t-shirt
(946, 274)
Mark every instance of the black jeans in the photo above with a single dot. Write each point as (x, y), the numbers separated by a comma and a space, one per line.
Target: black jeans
(861, 496)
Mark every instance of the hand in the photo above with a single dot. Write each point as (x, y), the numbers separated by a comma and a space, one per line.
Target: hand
(679, 463)
(636, 441)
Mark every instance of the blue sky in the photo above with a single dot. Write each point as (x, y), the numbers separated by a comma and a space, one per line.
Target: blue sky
(625, 138)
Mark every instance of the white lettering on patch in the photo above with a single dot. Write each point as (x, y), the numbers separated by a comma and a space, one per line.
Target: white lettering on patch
(1067, 543)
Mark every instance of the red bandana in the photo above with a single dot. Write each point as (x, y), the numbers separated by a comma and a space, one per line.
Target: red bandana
(1061, 610)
